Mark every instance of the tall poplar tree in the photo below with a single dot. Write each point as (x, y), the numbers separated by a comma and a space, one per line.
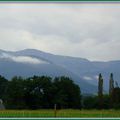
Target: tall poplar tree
(111, 84)
(100, 91)
(111, 90)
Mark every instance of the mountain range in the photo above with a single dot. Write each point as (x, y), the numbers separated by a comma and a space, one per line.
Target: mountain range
(84, 72)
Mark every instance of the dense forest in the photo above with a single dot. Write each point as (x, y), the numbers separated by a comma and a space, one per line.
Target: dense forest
(39, 92)
(44, 92)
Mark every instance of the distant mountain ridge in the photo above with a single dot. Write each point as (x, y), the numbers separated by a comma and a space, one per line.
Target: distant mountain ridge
(30, 62)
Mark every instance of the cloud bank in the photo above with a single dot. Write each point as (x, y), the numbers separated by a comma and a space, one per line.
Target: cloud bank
(22, 59)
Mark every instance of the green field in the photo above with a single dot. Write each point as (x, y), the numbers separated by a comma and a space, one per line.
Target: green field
(60, 113)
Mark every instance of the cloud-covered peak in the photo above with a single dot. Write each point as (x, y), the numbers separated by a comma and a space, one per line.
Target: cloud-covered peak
(22, 59)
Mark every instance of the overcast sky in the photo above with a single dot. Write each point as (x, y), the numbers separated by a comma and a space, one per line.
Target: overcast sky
(84, 30)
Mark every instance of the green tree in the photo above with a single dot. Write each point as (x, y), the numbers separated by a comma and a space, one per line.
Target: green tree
(67, 94)
(106, 103)
(116, 96)
(90, 102)
(3, 87)
(15, 93)
(42, 92)
(111, 84)
(38, 92)
(100, 91)
(111, 88)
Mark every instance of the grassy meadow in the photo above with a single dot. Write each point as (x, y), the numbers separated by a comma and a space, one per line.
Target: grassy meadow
(60, 113)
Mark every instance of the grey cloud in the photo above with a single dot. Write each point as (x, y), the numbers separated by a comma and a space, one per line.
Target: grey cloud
(88, 30)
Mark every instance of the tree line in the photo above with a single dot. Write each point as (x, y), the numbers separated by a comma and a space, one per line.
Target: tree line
(43, 92)
(40, 92)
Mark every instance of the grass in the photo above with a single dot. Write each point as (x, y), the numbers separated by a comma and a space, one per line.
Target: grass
(60, 113)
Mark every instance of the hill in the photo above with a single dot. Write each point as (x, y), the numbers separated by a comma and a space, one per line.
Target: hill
(30, 62)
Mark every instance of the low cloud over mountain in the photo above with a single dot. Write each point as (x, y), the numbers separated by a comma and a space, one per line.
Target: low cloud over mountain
(22, 59)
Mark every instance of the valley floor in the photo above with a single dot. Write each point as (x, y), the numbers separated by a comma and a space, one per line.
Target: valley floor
(60, 113)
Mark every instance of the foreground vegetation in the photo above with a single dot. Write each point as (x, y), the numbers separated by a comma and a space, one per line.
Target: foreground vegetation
(44, 92)
(39, 92)
(60, 113)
